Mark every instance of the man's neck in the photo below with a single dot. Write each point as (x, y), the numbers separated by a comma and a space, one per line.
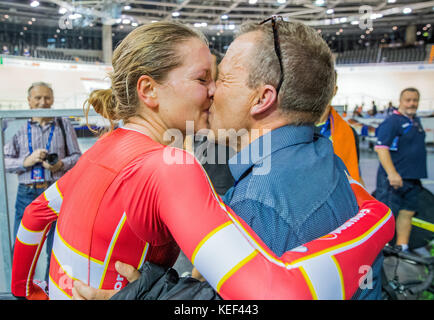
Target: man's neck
(325, 115)
(411, 116)
(258, 131)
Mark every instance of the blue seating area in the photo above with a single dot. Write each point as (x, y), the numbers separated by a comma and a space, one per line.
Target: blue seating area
(59, 55)
(382, 55)
(46, 53)
(369, 55)
(407, 54)
(359, 56)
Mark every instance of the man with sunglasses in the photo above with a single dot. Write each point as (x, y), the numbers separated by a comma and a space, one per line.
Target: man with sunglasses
(273, 84)
(275, 81)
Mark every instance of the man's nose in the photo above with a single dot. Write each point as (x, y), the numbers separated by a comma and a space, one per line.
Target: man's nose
(211, 89)
(44, 101)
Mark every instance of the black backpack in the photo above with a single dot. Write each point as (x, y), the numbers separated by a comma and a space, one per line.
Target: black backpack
(420, 237)
(158, 283)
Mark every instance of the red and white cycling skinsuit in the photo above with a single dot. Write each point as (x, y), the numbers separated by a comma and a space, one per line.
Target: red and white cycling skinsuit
(129, 199)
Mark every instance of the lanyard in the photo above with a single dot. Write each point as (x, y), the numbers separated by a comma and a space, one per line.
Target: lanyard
(29, 135)
(37, 173)
(327, 127)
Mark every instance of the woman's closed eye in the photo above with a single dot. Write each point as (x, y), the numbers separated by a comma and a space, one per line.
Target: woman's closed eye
(204, 79)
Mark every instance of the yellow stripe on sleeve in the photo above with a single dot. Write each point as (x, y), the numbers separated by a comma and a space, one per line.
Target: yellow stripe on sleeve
(338, 267)
(345, 244)
(111, 247)
(143, 257)
(235, 269)
(309, 283)
(209, 235)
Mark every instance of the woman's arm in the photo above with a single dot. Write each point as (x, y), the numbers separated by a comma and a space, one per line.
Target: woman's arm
(232, 258)
(31, 236)
(238, 265)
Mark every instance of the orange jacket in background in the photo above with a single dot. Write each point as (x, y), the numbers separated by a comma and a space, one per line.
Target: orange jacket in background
(344, 143)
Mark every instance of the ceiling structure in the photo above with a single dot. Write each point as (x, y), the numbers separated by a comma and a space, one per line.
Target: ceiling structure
(219, 16)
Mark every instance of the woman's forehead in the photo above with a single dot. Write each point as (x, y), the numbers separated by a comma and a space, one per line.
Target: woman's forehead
(196, 54)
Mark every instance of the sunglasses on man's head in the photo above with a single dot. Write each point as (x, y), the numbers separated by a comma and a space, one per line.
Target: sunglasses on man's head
(276, 46)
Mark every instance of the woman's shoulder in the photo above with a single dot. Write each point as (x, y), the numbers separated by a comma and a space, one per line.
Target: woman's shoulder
(163, 161)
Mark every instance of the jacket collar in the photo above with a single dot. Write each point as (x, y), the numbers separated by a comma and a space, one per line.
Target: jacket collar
(267, 144)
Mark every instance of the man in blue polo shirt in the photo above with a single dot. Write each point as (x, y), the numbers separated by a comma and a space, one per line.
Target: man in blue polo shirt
(402, 154)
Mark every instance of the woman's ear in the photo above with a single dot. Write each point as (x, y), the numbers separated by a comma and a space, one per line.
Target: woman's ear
(265, 100)
(146, 91)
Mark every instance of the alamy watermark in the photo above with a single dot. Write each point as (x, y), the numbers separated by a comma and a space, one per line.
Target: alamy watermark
(65, 281)
(366, 280)
(65, 21)
(256, 147)
(365, 20)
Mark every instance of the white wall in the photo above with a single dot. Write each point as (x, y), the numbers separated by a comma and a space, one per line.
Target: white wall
(383, 83)
(71, 82)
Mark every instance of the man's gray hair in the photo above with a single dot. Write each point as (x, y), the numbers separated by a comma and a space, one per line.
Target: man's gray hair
(410, 89)
(308, 67)
(39, 84)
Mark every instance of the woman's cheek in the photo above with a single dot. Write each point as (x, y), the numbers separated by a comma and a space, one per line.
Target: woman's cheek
(201, 96)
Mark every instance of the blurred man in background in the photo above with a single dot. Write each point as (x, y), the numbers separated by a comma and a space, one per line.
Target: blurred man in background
(402, 154)
(40, 153)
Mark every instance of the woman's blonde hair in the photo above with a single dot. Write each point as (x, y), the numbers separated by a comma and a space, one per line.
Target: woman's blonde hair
(147, 50)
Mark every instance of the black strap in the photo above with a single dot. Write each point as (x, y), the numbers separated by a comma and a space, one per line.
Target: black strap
(60, 122)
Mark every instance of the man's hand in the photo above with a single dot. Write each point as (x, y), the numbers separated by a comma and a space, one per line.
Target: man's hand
(53, 168)
(196, 275)
(395, 180)
(37, 156)
(81, 291)
(393, 176)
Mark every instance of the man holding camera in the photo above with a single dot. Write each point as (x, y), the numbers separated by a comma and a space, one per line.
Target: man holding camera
(40, 153)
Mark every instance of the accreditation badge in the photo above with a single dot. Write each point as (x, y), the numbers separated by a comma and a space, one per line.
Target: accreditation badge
(38, 173)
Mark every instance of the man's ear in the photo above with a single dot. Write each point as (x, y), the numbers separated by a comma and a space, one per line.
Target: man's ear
(265, 100)
(146, 91)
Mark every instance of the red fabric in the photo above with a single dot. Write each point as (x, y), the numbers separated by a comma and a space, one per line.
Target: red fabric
(127, 172)
(37, 294)
(96, 193)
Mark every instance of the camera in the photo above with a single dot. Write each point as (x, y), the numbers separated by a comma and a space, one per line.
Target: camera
(52, 158)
